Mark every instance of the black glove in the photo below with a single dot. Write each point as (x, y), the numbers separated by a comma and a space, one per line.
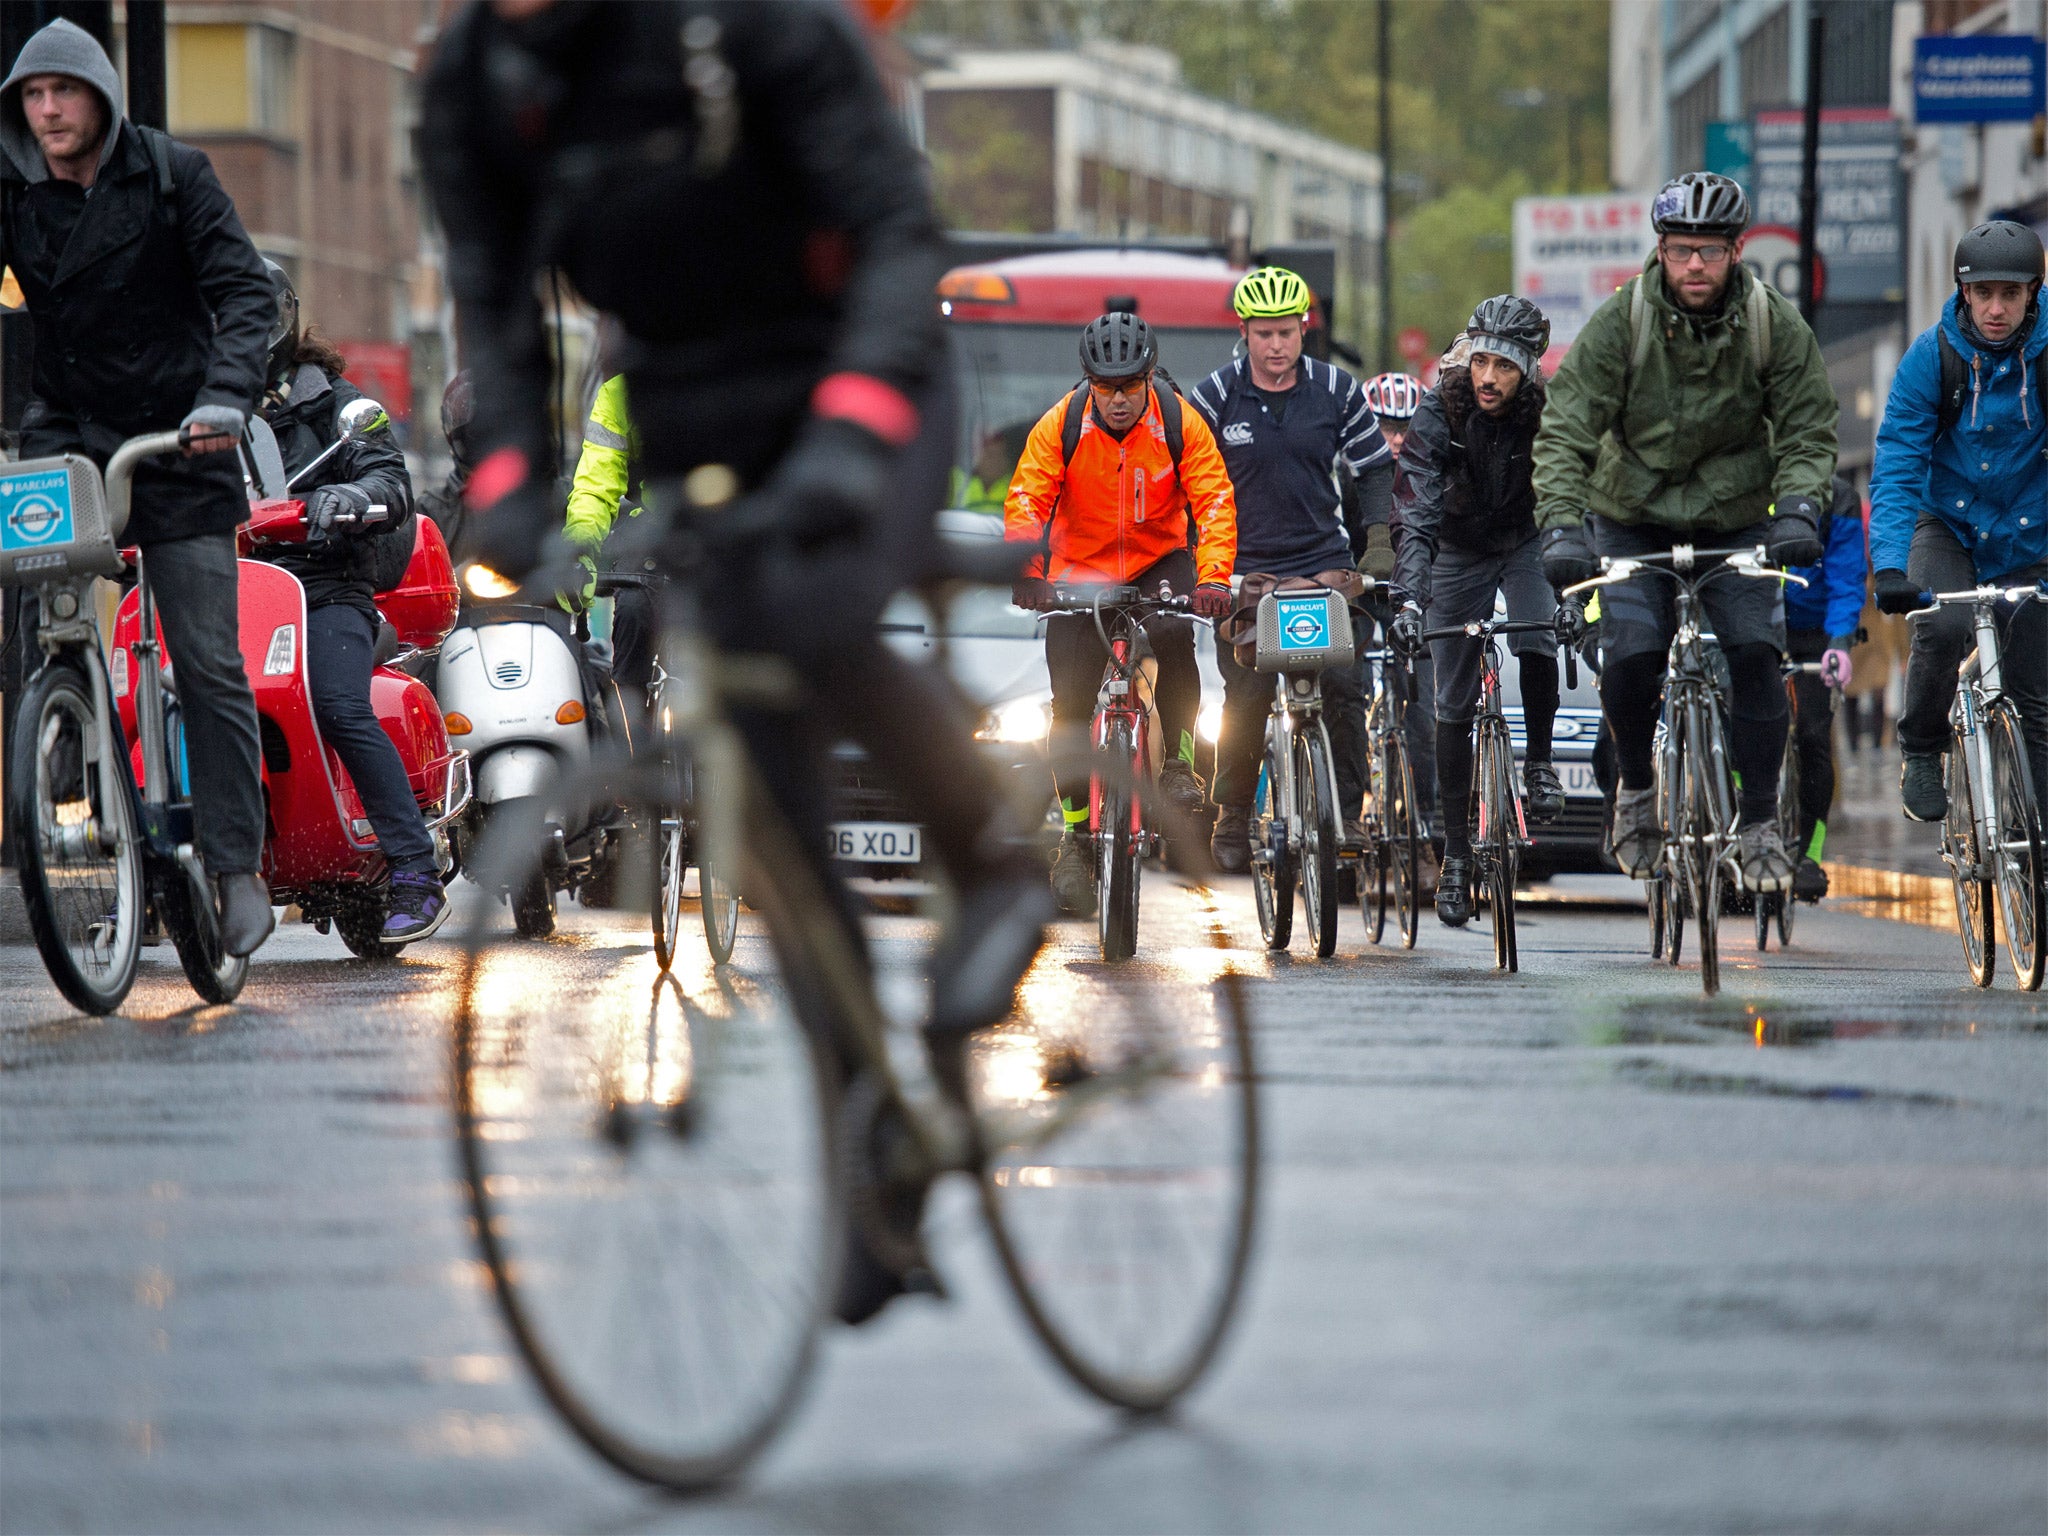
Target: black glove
(1568, 556)
(1406, 630)
(1792, 536)
(1031, 593)
(1895, 592)
(335, 512)
(1571, 623)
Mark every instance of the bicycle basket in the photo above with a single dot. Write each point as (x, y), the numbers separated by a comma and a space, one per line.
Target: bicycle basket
(53, 521)
(1303, 631)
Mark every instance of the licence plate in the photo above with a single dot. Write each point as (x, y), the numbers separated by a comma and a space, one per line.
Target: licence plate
(876, 842)
(1579, 779)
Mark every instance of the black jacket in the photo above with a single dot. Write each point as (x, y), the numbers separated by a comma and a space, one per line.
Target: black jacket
(747, 253)
(157, 304)
(305, 423)
(1465, 479)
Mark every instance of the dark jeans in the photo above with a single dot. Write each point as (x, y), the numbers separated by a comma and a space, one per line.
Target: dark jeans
(196, 582)
(1939, 563)
(1813, 729)
(1075, 657)
(1248, 699)
(340, 641)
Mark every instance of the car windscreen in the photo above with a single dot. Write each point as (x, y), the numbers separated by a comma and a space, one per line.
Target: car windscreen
(1010, 375)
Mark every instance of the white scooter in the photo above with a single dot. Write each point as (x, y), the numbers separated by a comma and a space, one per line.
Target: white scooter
(513, 693)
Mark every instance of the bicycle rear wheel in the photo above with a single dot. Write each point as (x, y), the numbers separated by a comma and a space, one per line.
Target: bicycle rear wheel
(1273, 854)
(1976, 900)
(649, 1164)
(665, 826)
(2022, 898)
(79, 848)
(1118, 1127)
(1117, 852)
(1315, 797)
(214, 974)
(1404, 843)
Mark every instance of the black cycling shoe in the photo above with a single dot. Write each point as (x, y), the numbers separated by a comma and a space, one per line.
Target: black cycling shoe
(1544, 791)
(1809, 880)
(1181, 787)
(1920, 787)
(989, 945)
(1230, 845)
(1454, 890)
(1073, 877)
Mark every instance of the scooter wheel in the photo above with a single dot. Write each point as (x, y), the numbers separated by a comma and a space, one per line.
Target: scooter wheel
(533, 907)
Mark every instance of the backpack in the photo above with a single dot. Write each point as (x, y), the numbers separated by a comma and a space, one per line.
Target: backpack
(1955, 383)
(1756, 311)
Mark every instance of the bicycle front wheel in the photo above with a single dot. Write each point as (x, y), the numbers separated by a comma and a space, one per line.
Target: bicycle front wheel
(719, 904)
(1500, 832)
(1404, 843)
(1976, 902)
(2021, 894)
(1118, 1128)
(649, 1166)
(1315, 797)
(1273, 853)
(79, 848)
(1700, 843)
(665, 825)
(1117, 850)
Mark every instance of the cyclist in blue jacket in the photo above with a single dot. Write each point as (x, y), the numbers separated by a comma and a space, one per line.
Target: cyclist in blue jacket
(1959, 496)
(1820, 625)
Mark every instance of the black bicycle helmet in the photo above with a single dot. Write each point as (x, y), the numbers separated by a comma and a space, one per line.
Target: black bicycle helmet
(1509, 326)
(1117, 346)
(1700, 203)
(458, 405)
(283, 341)
(1999, 252)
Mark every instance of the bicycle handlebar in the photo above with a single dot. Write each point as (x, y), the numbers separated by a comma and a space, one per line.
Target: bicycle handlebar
(120, 474)
(1094, 599)
(1932, 602)
(1679, 564)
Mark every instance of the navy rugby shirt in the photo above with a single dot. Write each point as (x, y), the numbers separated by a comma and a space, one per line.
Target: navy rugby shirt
(1282, 450)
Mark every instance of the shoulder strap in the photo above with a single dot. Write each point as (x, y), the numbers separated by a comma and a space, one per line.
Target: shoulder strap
(1169, 415)
(1070, 428)
(159, 147)
(1642, 328)
(1955, 380)
(1759, 307)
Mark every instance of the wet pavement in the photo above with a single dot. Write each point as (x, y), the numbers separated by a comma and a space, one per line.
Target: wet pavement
(1572, 1250)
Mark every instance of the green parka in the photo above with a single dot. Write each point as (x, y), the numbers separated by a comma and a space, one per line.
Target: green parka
(1695, 442)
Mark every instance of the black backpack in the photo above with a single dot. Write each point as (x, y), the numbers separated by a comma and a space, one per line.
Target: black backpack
(1955, 384)
(1170, 406)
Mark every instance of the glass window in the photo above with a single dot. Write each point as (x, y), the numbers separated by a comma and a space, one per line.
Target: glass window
(233, 79)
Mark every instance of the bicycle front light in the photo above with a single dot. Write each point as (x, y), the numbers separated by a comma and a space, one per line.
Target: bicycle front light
(1018, 720)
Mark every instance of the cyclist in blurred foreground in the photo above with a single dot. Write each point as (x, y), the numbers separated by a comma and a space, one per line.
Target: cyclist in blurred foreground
(785, 362)
(1959, 495)
(1694, 408)
(1126, 509)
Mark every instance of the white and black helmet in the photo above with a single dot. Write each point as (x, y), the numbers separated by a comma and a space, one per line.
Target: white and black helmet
(282, 344)
(1509, 326)
(2001, 251)
(1117, 346)
(1700, 203)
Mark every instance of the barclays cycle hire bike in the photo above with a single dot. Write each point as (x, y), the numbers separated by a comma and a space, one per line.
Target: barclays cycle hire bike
(99, 859)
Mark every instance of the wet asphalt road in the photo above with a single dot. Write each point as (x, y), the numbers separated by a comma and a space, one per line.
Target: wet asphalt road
(1565, 1251)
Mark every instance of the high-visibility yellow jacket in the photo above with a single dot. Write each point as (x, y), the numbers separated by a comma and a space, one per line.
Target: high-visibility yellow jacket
(604, 471)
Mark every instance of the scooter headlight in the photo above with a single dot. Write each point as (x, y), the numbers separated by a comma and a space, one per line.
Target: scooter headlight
(486, 583)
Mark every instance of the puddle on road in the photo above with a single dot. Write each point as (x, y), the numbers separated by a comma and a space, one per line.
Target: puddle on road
(1663, 1077)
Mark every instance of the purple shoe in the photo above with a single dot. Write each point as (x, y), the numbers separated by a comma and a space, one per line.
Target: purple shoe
(418, 907)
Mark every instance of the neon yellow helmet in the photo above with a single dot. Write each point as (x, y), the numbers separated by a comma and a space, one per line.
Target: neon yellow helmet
(1270, 293)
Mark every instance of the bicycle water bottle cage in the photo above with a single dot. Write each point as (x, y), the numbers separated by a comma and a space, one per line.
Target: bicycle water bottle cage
(53, 521)
(1303, 631)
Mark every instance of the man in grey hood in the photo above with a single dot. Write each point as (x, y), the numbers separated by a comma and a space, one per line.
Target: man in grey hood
(151, 311)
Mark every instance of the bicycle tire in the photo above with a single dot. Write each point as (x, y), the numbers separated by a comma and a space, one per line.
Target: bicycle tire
(648, 1158)
(1406, 846)
(1315, 794)
(665, 909)
(1273, 875)
(71, 883)
(2022, 897)
(1118, 1153)
(719, 905)
(1701, 846)
(1976, 899)
(1116, 850)
(1653, 893)
(1503, 831)
(215, 975)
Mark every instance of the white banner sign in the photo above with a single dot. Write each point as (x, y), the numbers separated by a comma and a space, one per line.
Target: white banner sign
(1571, 253)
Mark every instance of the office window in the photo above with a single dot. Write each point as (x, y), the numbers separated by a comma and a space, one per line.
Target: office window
(1691, 110)
(233, 79)
(1766, 63)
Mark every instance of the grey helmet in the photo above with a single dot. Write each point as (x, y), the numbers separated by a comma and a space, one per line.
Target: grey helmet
(2001, 251)
(1117, 346)
(1509, 326)
(1700, 203)
(283, 342)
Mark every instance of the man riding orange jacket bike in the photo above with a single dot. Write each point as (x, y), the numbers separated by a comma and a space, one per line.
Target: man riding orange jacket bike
(1142, 500)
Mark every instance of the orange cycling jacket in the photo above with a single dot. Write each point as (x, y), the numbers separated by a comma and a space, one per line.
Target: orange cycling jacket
(1119, 506)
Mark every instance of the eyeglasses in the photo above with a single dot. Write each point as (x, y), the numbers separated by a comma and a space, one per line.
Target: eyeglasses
(1709, 255)
(1127, 388)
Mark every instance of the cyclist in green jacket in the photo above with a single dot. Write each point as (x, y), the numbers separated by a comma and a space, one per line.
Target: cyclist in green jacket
(1694, 408)
(607, 478)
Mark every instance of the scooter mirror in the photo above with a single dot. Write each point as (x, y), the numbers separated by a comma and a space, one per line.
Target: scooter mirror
(359, 418)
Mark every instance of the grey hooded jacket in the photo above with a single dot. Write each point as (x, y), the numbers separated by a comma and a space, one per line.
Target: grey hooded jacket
(155, 303)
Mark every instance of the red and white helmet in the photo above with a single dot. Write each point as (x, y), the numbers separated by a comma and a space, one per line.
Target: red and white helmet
(1393, 395)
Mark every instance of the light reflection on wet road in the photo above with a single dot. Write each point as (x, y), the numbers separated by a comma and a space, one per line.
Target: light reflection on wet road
(1570, 1250)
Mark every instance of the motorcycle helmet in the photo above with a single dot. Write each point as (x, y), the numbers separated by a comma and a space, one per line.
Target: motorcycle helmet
(2001, 251)
(1270, 293)
(458, 405)
(283, 342)
(1509, 326)
(1117, 346)
(1700, 203)
(1394, 396)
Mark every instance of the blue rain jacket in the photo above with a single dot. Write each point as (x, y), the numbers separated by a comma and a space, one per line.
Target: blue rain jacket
(1832, 599)
(1987, 478)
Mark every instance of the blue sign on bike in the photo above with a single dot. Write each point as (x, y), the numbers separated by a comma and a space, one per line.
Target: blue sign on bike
(1304, 623)
(35, 509)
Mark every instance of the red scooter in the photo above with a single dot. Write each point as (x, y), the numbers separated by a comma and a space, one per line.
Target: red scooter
(319, 852)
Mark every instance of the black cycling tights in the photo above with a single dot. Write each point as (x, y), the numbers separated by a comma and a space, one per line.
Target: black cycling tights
(1631, 689)
(1454, 750)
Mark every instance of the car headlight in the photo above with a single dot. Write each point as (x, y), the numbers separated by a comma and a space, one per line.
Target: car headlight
(1018, 720)
(1209, 722)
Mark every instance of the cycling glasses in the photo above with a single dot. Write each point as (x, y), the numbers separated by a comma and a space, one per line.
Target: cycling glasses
(1109, 389)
